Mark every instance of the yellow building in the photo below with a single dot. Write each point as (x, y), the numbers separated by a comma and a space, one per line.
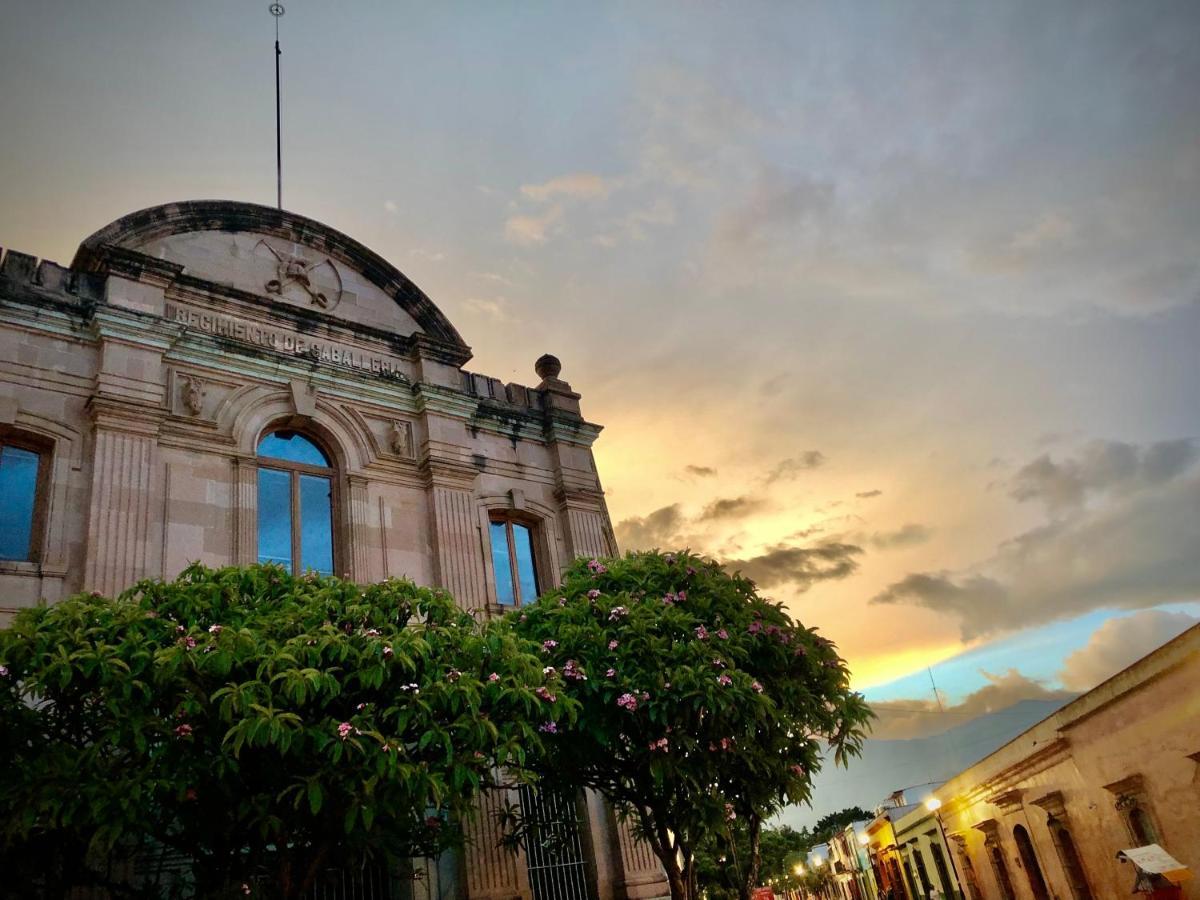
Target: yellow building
(1119, 767)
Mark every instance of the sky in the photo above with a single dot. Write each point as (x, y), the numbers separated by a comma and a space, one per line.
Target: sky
(894, 307)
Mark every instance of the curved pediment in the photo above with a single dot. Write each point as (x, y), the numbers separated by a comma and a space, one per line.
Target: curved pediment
(279, 255)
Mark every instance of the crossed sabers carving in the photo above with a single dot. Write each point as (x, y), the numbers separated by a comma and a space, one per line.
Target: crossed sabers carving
(293, 270)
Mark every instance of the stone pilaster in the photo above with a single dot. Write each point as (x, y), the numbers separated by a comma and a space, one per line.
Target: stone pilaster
(360, 542)
(493, 872)
(126, 481)
(454, 530)
(244, 551)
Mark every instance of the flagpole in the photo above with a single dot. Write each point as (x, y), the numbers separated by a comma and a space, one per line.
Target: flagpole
(277, 11)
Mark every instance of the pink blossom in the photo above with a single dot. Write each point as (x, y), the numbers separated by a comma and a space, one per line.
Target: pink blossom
(524, 618)
(183, 730)
(617, 613)
(453, 675)
(660, 745)
(214, 629)
(189, 642)
(545, 694)
(755, 627)
(549, 727)
(730, 815)
(681, 596)
(562, 601)
(670, 558)
(344, 730)
(613, 645)
(593, 594)
(360, 707)
(799, 770)
(758, 688)
(388, 652)
(723, 634)
(691, 571)
(179, 629)
(494, 677)
(547, 646)
(702, 632)
(718, 663)
(597, 567)
(669, 599)
(724, 680)
(371, 632)
(3, 671)
(246, 889)
(549, 671)
(627, 701)
(572, 671)
(611, 673)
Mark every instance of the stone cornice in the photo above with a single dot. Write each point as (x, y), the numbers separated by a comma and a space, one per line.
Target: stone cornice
(448, 473)
(124, 414)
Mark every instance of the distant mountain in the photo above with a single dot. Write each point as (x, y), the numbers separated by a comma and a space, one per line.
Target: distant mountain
(890, 765)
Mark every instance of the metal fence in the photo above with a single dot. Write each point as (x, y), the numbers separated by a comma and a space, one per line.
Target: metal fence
(558, 868)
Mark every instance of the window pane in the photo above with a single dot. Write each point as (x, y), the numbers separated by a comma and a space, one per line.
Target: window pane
(275, 517)
(316, 524)
(501, 566)
(18, 486)
(523, 541)
(292, 447)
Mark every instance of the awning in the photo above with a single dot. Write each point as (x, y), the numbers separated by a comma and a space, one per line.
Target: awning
(1154, 860)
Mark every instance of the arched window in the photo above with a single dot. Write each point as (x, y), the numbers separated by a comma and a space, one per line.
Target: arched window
(24, 471)
(295, 503)
(1000, 868)
(1064, 843)
(513, 562)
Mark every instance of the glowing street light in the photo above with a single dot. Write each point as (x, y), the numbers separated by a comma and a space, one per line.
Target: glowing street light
(798, 868)
(863, 840)
(933, 804)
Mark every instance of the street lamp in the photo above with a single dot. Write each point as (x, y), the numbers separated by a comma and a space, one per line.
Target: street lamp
(863, 840)
(933, 804)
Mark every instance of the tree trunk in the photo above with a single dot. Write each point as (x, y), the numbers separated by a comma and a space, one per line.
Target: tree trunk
(752, 864)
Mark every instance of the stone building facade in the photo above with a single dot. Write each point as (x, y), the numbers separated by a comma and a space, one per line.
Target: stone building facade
(1119, 767)
(138, 388)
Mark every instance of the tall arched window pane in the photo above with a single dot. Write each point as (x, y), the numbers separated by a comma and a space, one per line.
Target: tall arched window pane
(275, 517)
(316, 523)
(295, 504)
(513, 564)
(18, 487)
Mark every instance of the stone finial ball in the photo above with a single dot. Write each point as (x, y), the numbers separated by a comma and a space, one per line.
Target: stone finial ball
(547, 366)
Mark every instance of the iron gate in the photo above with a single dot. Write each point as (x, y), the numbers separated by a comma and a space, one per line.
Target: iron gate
(558, 868)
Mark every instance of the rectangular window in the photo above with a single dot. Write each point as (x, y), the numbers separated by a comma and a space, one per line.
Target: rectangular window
(275, 517)
(513, 563)
(316, 524)
(18, 487)
(502, 564)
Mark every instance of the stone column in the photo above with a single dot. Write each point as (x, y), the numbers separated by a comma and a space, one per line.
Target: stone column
(244, 551)
(493, 872)
(359, 530)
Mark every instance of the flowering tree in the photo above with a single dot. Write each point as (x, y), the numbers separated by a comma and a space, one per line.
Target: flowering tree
(263, 726)
(702, 704)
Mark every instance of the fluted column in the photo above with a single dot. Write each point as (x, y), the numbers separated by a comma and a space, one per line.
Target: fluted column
(457, 542)
(244, 551)
(126, 481)
(360, 543)
(492, 870)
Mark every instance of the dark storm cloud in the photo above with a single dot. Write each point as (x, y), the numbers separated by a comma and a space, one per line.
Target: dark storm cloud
(907, 535)
(1103, 466)
(789, 468)
(800, 567)
(658, 529)
(1131, 545)
(730, 508)
(700, 471)
(920, 717)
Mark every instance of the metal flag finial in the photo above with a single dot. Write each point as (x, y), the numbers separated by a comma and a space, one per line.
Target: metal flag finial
(277, 10)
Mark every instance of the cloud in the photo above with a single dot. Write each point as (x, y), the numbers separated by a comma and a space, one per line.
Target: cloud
(700, 471)
(921, 717)
(907, 535)
(1103, 466)
(577, 186)
(1120, 642)
(801, 567)
(776, 203)
(789, 468)
(390, 207)
(730, 508)
(1134, 547)
(866, 495)
(495, 308)
(530, 230)
(658, 529)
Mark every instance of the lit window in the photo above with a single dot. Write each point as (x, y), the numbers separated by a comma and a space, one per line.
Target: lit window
(295, 504)
(20, 486)
(513, 562)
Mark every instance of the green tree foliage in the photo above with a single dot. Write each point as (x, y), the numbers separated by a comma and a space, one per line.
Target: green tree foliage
(262, 726)
(832, 823)
(702, 704)
(719, 859)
